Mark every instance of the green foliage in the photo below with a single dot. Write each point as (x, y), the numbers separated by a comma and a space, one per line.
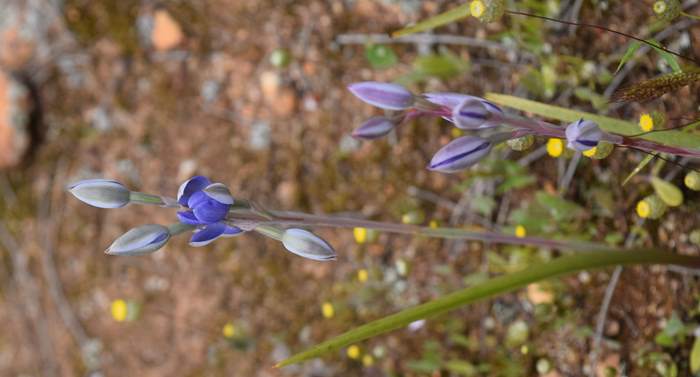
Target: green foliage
(668, 192)
(380, 56)
(496, 286)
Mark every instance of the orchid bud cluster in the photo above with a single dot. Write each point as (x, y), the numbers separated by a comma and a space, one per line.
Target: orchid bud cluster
(486, 125)
(206, 209)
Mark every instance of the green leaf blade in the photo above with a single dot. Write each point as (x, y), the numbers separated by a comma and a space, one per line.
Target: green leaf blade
(502, 284)
(450, 16)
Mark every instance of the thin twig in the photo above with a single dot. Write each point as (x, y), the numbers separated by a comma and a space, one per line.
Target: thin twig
(422, 38)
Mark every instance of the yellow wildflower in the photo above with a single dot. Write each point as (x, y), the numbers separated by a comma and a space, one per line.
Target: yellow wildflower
(646, 122)
(362, 275)
(367, 360)
(327, 310)
(229, 330)
(520, 231)
(477, 8)
(555, 147)
(360, 235)
(120, 310)
(353, 352)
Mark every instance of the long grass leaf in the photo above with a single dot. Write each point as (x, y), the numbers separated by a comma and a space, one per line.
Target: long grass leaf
(499, 285)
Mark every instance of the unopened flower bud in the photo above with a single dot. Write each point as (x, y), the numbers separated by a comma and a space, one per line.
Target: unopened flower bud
(667, 10)
(487, 10)
(521, 143)
(651, 207)
(583, 135)
(471, 114)
(460, 154)
(142, 240)
(374, 128)
(101, 193)
(383, 95)
(692, 180)
(308, 245)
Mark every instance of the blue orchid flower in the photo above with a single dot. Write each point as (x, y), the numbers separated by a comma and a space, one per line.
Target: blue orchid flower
(207, 206)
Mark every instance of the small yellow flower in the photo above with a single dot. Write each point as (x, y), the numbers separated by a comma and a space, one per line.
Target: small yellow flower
(692, 180)
(360, 235)
(229, 330)
(327, 310)
(591, 152)
(433, 224)
(456, 132)
(362, 275)
(555, 147)
(367, 360)
(120, 310)
(643, 209)
(660, 7)
(477, 8)
(646, 122)
(520, 231)
(353, 352)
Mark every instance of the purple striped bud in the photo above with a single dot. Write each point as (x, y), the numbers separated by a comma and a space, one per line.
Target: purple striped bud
(374, 128)
(142, 240)
(460, 154)
(383, 95)
(452, 100)
(101, 193)
(471, 114)
(583, 135)
(308, 245)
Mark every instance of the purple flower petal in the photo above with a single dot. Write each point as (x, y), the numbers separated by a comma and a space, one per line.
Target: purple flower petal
(383, 95)
(206, 209)
(232, 231)
(583, 135)
(460, 154)
(188, 217)
(219, 192)
(374, 128)
(192, 185)
(207, 234)
(451, 100)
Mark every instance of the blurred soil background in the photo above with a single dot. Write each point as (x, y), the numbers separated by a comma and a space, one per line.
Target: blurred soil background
(150, 93)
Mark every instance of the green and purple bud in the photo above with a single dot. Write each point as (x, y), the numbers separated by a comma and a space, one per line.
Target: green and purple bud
(383, 95)
(308, 245)
(460, 154)
(139, 241)
(101, 193)
(373, 128)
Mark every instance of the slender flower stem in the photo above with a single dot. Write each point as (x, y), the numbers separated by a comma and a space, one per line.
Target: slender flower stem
(150, 199)
(284, 218)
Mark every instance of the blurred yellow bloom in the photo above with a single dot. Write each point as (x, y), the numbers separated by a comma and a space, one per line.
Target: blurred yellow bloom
(434, 224)
(353, 352)
(456, 132)
(646, 122)
(643, 209)
(229, 330)
(327, 310)
(362, 275)
(477, 8)
(120, 310)
(360, 235)
(555, 147)
(367, 360)
(591, 152)
(520, 231)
